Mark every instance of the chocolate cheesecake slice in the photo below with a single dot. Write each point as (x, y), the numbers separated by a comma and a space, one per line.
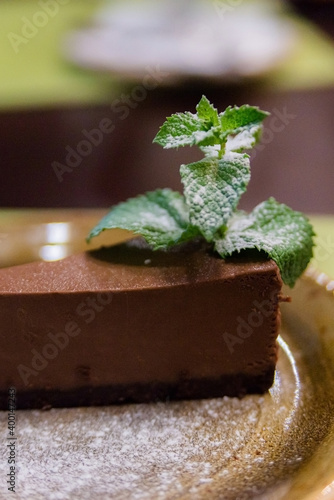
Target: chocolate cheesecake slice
(128, 324)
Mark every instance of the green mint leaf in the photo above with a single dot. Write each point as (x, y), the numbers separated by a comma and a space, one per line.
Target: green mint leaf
(212, 189)
(160, 216)
(284, 234)
(189, 129)
(186, 129)
(179, 130)
(207, 113)
(235, 119)
(241, 126)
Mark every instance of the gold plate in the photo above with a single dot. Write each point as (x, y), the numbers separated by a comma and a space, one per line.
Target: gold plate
(276, 446)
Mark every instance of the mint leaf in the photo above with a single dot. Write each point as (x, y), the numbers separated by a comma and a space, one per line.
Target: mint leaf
(160, 216)
(285, 235)
(212, 189)
(178, 130)
(207, 113)
(235, 119)
(188, 129)
(241, 127)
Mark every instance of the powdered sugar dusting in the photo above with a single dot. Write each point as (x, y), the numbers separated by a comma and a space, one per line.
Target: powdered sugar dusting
(134, 451)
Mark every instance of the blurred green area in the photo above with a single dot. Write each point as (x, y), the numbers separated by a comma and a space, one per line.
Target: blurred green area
(35, 72)
(324, 251)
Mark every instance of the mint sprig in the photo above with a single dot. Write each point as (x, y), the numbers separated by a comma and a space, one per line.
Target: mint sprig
(212, 189)
(233, 128)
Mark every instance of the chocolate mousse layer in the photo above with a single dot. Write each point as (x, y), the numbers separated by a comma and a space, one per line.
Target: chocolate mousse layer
(128, 324)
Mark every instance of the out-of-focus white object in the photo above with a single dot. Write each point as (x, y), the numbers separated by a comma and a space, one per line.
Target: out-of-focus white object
(219, 39)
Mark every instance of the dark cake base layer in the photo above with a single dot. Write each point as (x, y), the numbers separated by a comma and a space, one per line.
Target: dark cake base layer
(233, 385)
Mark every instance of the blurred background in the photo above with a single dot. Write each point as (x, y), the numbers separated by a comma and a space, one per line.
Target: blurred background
(85, 85)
